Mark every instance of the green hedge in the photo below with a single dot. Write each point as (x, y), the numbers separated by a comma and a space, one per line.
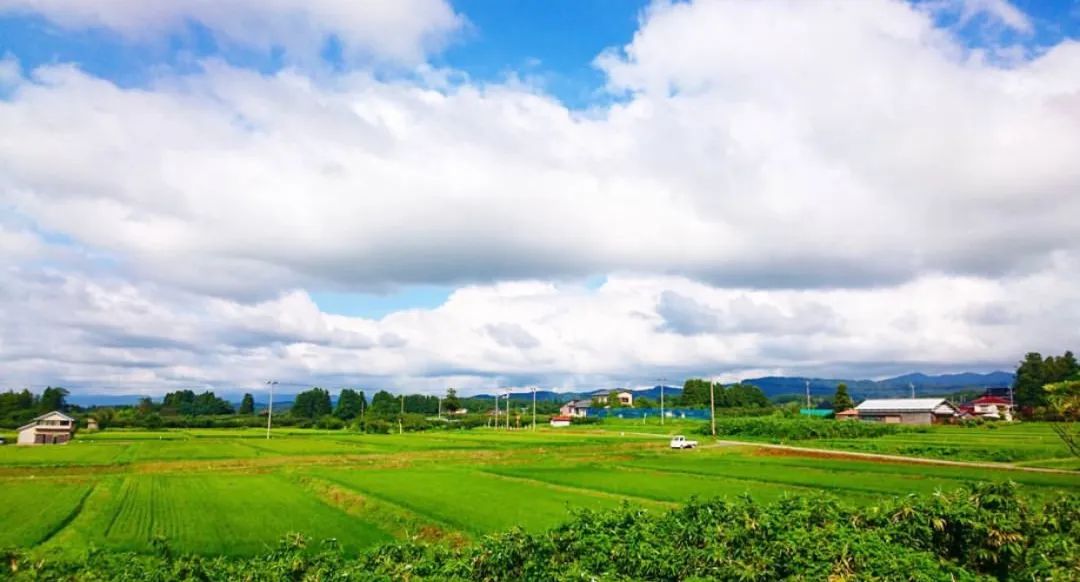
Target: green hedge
(804, 428)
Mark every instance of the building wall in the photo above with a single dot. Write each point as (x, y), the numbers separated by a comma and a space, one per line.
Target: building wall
(26, 436)
(898, 417)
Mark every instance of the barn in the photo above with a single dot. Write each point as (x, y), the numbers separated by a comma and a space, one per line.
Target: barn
(907, 411)
(48, 429)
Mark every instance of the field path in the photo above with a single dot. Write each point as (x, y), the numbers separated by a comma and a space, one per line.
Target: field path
(837, 453)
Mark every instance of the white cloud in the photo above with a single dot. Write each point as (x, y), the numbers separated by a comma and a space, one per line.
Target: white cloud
(400, 30)
(106, 334)
(847, 183)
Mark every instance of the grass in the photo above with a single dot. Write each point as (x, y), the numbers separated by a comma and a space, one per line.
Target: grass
(471, 501)
(213, 514)
(232, 491)
(31, 512)
(73, 453)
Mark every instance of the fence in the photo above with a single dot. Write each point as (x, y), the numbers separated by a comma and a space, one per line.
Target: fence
(638, 413)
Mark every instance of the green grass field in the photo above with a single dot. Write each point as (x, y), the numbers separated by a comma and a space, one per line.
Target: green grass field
(233, 492)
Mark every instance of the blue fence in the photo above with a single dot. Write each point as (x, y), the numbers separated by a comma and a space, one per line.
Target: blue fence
(695, 413)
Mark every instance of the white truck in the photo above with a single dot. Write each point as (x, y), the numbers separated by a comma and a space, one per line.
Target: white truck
(679, 442)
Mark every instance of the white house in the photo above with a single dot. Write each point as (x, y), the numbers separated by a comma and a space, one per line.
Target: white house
(575, 408)
(48, 429)
(625, 398)
(907, 410)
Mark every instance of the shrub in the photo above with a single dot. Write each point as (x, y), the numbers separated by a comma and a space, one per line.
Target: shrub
(983, 532)
(802, 428)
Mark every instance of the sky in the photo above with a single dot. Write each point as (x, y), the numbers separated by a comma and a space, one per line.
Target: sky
(421, 194)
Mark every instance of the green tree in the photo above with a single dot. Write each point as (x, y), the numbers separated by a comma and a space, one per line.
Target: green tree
(451, 403)
(103, 416)
(247, 405)
(1034, 373)
(145, 406)
(314, 403)
(384, 403)
(695, 393)
(348, 405)
(842, 401)
(1064, 399)
(644, 402)
(613, 399)
(53, 399)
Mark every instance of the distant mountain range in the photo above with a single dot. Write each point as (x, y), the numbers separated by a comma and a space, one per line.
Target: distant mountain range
(925, 385)
(776, 385)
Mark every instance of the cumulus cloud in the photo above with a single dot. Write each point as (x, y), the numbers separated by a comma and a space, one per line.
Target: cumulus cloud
(777, 185)
(399, 30)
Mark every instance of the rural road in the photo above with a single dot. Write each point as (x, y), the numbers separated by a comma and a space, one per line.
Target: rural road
(870, 456)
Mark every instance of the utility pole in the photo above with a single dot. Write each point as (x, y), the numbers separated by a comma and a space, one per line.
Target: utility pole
(507, 411)
(440, 407)
(808, 394)
(496, 422)
(534, 408)
(400, 427)
(912, 386)
(662, 381)
(270, 407)
(712, 404)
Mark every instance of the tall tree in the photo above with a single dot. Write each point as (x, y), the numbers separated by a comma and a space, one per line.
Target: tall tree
(53, 399)
(384, 403)
(145, 406)
(247, 405)
(1035, 372)
(312, 403)
(451, 403)
(842, 401)
(348, 405)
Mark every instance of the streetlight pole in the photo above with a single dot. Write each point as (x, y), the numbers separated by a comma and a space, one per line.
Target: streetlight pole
(270, 407)
(662, 382)
(712, 404)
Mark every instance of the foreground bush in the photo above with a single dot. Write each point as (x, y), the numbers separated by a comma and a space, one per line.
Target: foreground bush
(805, 428)
(985, 532)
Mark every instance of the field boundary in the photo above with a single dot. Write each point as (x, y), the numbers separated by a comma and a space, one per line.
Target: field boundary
(581, 490)
(810, 451)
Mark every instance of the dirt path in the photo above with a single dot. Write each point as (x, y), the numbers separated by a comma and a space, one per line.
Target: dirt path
(809, 451)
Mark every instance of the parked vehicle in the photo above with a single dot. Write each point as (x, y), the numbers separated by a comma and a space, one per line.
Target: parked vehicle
(679, 442)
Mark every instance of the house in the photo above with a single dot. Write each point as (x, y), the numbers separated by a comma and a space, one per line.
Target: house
(849, 414)
(907, 410)
(989, 407)
(91, 424)
(48, 429)
(560, 420)
(575, 408)
(625, 398)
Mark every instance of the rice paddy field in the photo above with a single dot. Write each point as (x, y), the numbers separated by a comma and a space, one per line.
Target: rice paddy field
(233, 492)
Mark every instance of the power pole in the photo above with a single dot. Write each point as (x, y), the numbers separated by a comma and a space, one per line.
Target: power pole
(401, 415)
(534, 407)
(507, 411)
(808, 394)
(496, 422)
(662, 381)
(270, 407)
(440, 407)
(912, 386)
(712, 404)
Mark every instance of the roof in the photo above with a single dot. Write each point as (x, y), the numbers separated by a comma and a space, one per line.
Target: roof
(33, 421)
(560, 417)
(990, 400)
(848, 412)
(579, 403)
(903, 405)
(816, 411)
